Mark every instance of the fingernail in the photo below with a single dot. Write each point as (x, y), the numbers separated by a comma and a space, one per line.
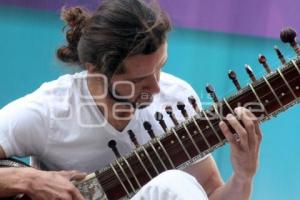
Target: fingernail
(221, 123)
(229, 116)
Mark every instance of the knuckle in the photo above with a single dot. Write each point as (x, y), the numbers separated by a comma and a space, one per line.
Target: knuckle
(249, 125)
(243, 133)
(224, 128)
(230, 140)
(70, 189)
(238, 109)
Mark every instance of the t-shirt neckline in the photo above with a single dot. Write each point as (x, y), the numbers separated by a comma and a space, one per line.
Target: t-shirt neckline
(100, 115)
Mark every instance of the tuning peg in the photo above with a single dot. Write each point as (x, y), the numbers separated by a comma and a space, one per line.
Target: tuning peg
(169, 111)
(181, 107)
(211, 91)
(279, 55)
(148, 128)
(113, 145)
(263, 60)
(160, 118)
(250, 72)
(232, 75)
(193, 102)
(288, 35)
(133, 138)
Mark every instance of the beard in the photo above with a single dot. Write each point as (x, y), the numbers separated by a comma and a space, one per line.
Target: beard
(142, 101)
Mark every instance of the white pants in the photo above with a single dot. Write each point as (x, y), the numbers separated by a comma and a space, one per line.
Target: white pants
(172, 185)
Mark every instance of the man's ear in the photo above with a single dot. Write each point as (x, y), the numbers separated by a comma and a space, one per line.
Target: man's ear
(91, 68)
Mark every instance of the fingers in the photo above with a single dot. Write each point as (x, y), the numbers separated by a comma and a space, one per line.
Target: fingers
(249, 124)
(249, 133)
(73, 175)
(252, 126)
(240, 130)
(70, 193)
(256, 122)
(227, 133)
(77, 195)
(259, 135)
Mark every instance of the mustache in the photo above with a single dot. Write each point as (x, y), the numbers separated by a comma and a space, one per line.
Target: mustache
(146, 96)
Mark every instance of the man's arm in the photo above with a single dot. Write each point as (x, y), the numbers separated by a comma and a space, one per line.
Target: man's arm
(38, 185)
(244, 157)
(207, 174)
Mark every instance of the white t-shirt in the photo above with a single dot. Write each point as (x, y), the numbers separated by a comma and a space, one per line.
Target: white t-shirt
(60, 126)
(172, 185)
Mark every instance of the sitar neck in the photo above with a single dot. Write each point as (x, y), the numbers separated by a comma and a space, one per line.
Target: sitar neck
(198, 136)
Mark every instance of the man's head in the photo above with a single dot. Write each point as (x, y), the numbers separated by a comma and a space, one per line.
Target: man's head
(122, 39)
(139, 80)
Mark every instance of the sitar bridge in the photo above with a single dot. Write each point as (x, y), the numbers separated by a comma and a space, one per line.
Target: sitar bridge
(90, 188)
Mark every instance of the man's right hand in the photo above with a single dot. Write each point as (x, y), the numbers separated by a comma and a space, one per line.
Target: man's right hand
(42, 185)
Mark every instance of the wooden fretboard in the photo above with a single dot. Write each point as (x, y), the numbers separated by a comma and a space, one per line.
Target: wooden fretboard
(200, 135)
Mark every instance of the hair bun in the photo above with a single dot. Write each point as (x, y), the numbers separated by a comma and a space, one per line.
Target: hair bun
(75, 18)
(67, 55)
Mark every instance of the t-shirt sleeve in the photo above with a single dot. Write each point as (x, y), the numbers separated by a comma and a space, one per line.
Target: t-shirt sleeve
(23, 128)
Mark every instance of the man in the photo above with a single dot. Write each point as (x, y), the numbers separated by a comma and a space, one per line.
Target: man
(66, 124)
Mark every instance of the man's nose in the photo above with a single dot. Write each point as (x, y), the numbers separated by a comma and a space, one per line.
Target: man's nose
(153, 85)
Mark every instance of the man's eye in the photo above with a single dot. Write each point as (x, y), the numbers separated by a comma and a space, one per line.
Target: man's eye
(137, 80)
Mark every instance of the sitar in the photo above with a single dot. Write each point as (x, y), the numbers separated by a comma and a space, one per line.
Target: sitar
(197, 136)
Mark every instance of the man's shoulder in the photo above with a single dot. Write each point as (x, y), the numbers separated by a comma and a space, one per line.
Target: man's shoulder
(62, 83)
(172, 91)
(168, 80)
(53, 96)
(174, 87)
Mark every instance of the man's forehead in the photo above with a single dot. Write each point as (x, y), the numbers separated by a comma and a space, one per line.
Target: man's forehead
(141, 61)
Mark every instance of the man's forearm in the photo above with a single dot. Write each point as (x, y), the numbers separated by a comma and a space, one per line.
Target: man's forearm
(12, 181)
(235, 189)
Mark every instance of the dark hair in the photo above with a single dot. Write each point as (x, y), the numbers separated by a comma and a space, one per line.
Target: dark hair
(118, 29)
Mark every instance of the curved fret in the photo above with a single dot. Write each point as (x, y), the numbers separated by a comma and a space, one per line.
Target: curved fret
(124, 173)
(158, 156)
(201, 133)
(216, 111)
(116, 180)
(118, 177)
(211, 126)
(143, 165)
(286, 83)
(150, 159)
(131, 171)
(166, 153)
(228, 106)
(191, 138)
(272, 90)
(258, 99)
(296, 66)
(182, 146)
